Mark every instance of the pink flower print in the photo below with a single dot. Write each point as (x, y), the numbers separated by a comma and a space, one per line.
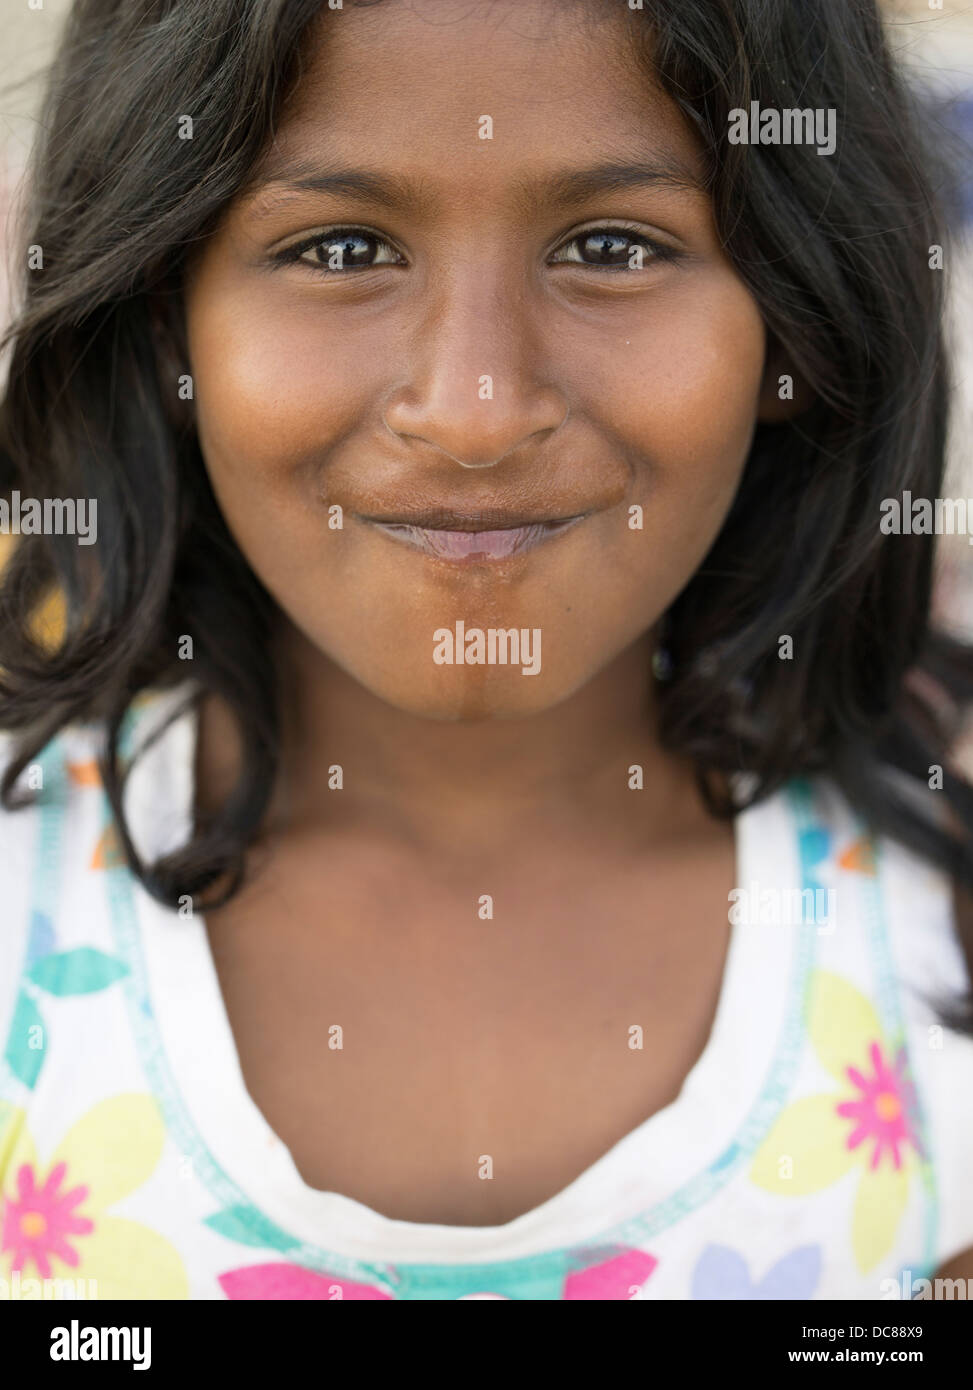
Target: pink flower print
(883, 1110)
(823, 1134)
(619, 1277)
(115, 1147)
(282, 1280)
(38, 1221)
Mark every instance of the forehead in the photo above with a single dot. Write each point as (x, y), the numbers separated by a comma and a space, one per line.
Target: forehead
(408, 84)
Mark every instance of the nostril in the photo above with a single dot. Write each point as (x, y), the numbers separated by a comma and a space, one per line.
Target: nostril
(463, 464)
(470, 433)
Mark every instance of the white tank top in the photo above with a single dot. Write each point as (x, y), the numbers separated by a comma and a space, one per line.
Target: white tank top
(821, 1147)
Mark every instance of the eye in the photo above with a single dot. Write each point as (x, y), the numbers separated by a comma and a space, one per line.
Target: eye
(341, 249)
(612, 248)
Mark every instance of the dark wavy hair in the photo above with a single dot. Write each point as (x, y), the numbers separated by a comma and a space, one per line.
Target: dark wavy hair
(835, 250)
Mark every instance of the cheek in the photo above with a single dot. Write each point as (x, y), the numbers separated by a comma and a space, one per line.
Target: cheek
(683, 403)
(272, 396)
(273, 389)
(685, 397)
(275, 393)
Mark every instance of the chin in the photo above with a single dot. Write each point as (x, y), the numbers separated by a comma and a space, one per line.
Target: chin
(456, 698)
(499, 701)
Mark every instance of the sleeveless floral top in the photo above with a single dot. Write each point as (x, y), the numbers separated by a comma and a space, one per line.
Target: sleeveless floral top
(821, 1146)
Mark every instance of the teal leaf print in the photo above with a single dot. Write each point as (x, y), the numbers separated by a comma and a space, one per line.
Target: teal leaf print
(41, 940)
(248, 1226)
(26, 1042)
(81, 971)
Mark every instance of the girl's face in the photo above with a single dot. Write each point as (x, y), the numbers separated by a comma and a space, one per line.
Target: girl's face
(471, 324)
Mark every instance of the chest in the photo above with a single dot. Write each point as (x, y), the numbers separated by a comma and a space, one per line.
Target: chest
(456, 1049)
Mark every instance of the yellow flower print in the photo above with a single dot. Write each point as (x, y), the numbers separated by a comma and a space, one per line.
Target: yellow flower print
(869, 1123)
(52, 1217)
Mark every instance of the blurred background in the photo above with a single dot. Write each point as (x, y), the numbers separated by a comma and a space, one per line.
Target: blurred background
(935, 46)
(932, 38)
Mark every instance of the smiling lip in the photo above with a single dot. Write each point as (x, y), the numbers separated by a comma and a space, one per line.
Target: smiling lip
(449, 536)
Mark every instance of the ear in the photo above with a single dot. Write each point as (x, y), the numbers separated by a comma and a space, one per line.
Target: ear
(784, 393)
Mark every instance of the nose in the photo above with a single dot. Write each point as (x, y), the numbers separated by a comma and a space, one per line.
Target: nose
(475, 389)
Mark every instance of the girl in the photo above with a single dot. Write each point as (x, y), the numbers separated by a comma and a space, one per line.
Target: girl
(486, 824)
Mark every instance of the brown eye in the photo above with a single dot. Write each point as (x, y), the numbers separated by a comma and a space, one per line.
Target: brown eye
(605, 248)
(351, 249)
(341, 249)
(611, 248)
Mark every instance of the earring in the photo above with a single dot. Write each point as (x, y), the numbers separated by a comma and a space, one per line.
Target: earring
(661, 663)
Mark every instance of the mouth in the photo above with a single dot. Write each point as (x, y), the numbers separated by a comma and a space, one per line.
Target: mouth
(475, 537)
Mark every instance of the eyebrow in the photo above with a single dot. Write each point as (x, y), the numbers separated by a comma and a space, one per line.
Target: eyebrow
(277, 186)
(577, 186)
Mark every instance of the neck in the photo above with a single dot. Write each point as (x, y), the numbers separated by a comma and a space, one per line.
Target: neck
(488, 783)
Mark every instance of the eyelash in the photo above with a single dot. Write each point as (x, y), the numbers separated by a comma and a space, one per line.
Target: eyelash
(294, 255)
